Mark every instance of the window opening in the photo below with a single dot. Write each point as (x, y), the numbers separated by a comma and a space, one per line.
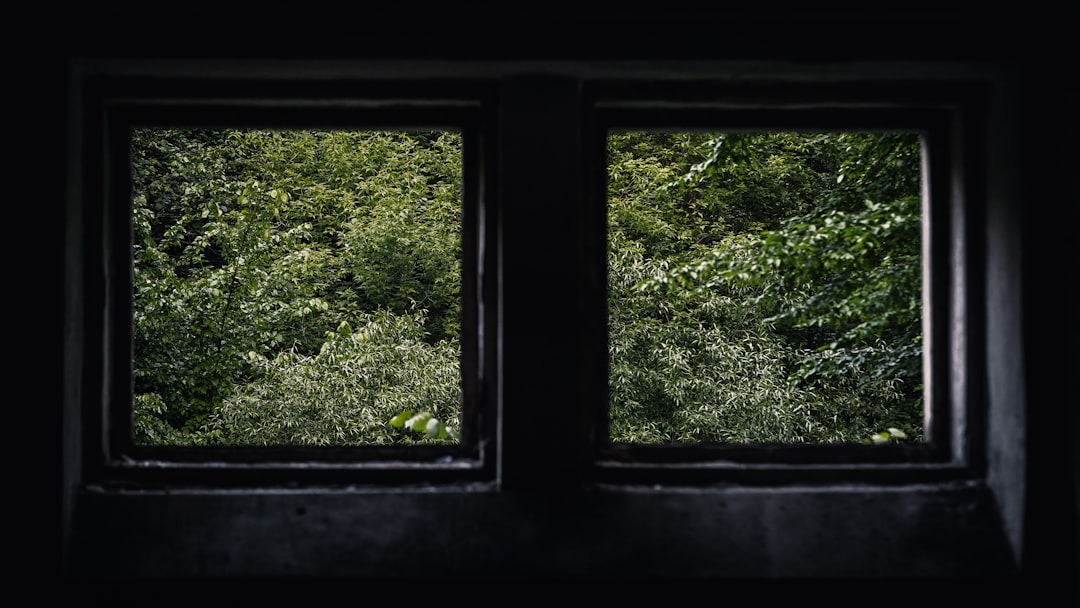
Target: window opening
(764, 287)
(296, 287)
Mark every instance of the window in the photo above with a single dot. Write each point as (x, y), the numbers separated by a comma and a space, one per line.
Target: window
(765, 287)
(240, 114)
(285, 262)
(220, 255)
(536, 485)
(928, 126)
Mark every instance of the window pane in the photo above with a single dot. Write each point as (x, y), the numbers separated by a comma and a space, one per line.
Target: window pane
(764, 287)
(296, 287)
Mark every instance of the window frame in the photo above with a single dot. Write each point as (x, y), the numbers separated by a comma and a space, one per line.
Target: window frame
(948, 118)
(112, 105)
(718, 519)
(592, 104)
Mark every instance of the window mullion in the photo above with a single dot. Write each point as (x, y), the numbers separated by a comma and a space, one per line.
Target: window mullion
(540, 172)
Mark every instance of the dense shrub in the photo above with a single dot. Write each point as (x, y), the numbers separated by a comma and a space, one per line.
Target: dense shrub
(303, 287)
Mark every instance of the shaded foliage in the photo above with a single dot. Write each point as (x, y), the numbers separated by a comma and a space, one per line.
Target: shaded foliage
(249, 244)
(347, 392)
(819, 270)
(303, 287)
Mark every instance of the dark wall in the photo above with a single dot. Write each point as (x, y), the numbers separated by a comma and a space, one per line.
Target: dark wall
(123, 539)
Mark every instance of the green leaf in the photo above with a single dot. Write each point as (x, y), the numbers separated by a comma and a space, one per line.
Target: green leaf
(418, 422)
(879, 438)
(399, 421)
(434, 428)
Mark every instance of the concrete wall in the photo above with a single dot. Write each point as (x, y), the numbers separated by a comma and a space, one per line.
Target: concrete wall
(1012, 524)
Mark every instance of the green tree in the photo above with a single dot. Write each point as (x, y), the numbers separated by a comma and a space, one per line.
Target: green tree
(796, 319)
(846, 274)
(265, 242)
(302, 287)
(348, 392)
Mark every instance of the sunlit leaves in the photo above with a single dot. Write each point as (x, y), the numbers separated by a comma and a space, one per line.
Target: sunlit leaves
(302, 287)
(799, 321)
(891, 435)
(423, 422)
(353, 392)
(854, 276)
(251, 247)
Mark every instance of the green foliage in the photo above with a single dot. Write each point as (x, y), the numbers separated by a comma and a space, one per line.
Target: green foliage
(846, 283)
(799, 322)
(303, 287)
(264, 242)
(346, 393)
(150, 428)
(423, 422)
(892, 435)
